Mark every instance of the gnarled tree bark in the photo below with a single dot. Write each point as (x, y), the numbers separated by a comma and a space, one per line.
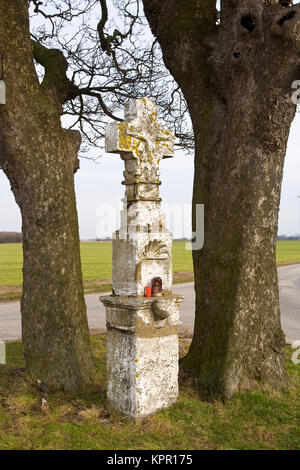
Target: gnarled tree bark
(39, 158)
(236, 77)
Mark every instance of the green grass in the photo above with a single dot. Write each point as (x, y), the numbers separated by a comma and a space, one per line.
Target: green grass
(11, 261)
(260, 419)
(288, 251)
(96, 260)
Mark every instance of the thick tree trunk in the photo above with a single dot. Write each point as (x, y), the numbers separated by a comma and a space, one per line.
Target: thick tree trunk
(237, 337)
(237, 80)
(40, 158)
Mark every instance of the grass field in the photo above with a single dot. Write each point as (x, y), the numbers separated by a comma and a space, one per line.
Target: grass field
(288, 251)
(258, 419)
(96, 259)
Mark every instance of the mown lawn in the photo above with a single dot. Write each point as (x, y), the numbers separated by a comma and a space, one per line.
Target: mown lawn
(260, 419)
(96, 259)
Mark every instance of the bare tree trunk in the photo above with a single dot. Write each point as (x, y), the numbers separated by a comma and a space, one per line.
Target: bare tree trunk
(238, 337)
(236, 78)
(40, 158)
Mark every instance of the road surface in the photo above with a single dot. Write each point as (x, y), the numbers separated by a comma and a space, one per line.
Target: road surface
(289, 291)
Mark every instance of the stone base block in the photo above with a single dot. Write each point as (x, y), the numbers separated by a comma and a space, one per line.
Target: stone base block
(142, 353)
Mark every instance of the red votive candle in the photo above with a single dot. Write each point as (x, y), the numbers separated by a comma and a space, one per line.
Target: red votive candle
(148, 292)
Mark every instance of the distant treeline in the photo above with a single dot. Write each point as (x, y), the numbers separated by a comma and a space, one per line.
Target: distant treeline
(107, 239)
(10, 237)
(291, 237)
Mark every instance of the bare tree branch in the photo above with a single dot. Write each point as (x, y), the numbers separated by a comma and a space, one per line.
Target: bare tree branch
(106, 56)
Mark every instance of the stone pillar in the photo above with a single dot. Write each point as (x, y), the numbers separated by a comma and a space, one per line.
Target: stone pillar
(142, 357)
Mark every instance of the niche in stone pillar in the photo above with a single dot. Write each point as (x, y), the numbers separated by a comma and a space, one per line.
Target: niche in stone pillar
(155, 261)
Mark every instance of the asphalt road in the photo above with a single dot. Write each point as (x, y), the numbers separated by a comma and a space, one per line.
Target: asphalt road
(289, 291)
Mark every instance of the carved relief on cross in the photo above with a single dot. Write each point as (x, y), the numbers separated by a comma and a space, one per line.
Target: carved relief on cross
(141, 142)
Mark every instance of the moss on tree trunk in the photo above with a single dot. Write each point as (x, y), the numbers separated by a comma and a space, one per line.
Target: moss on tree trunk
(236, 78)
(238, 338)
(39, 159)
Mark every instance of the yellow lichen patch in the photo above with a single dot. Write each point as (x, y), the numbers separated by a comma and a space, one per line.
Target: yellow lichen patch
(153, 117)
(126, 141)
(135, 143)
(124, 138)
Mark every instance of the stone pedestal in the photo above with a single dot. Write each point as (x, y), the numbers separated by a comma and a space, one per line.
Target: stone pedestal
(142, 250)
(142, 353)
(142, 341)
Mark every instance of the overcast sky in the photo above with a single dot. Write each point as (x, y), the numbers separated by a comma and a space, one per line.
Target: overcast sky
(99, 190)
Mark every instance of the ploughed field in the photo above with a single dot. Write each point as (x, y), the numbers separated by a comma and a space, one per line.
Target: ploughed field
(96, 260)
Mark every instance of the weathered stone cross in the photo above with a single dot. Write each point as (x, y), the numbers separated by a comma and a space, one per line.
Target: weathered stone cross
(142, 342)
(142, 142)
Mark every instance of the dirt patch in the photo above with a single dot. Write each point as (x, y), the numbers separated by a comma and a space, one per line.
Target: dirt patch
(6, 289)
(97, 331)
(185, 332)
(185, 276)
(96, 282)
(9, 293)
(288, 263)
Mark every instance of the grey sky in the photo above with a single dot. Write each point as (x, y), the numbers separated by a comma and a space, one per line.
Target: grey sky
(98, 189)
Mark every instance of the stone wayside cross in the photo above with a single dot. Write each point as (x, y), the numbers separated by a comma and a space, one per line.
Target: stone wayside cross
(142, 357)
(142, 143)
